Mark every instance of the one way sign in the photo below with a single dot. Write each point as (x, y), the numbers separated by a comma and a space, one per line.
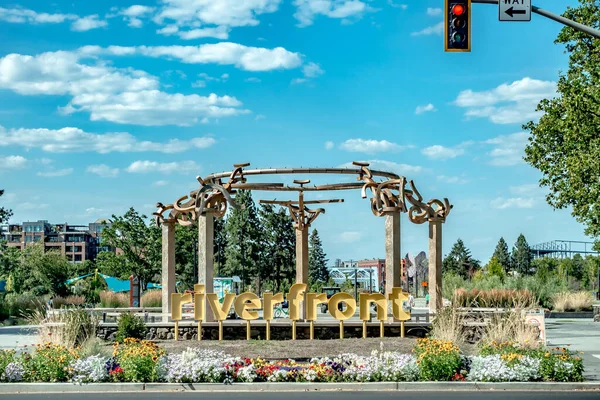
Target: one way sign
(514, 10)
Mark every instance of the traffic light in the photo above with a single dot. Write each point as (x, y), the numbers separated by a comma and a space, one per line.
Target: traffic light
(457, 28)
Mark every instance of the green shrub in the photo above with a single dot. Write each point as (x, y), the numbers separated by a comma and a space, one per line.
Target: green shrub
(130, 326)
(23, 304)
(438, 360)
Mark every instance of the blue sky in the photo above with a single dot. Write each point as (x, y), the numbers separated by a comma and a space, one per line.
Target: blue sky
(106, 105)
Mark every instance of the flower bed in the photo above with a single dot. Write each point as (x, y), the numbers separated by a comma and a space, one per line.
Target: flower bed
(432, 360)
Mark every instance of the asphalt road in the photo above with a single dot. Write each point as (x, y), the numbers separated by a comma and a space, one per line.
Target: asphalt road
(422, 395)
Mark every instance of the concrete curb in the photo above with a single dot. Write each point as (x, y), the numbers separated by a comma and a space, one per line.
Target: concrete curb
(7, 388)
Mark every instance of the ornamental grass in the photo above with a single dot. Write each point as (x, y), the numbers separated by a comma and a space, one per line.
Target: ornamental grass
(152, 298)
(113, 300)
(495, 298)
(67, 327)
(572, 301)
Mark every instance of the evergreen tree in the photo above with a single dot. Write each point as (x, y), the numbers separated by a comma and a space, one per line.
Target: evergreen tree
(317, 261)
(459, 261)
(502, 255)
(220, 244)
(578, 267)
(521, 257)
(279, 247)
(242, 252)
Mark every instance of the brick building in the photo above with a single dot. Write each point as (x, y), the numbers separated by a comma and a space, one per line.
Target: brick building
(379, 263)
(77, 243)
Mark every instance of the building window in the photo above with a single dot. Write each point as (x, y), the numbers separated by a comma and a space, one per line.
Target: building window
(28, 239)
(77, 257)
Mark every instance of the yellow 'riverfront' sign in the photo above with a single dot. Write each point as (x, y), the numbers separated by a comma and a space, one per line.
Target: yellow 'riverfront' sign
(247, 304)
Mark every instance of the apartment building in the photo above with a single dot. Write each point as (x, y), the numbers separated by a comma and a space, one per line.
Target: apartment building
(77, 243)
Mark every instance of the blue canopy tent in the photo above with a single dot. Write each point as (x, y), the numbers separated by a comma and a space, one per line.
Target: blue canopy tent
(114, 284)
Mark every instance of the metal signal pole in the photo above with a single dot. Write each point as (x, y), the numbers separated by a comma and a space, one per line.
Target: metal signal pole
(558, 18)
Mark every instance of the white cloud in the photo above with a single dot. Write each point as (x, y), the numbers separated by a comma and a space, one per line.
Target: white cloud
(339, 9)
(434, 11)
(160, 183)
(436, 29)
(55, 173)
(252, 79)
(103, 170)
(259, 117)
(107, 93)
(370, 146)
(164, 168)
(530, 189)
(88, 23)
(205, 77)
(349, 237)
(513, 202)
(22, 16)
(508, 149)
(424, 109)
(218, 16)
(438, 152)
(399, 5)
(312, 70)
(459, 180)
(382, 165)
(70, 140)
(297, 81)
(508, 103)
(133, 15)
(329, 145)
(223, 53)
(12, 162)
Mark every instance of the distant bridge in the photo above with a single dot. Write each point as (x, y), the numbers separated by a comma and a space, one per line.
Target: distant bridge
(562, 249)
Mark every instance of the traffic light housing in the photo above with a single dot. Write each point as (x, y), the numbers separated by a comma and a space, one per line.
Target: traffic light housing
(457, 25)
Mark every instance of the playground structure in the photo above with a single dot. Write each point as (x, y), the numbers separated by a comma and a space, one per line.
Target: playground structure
(391, 195)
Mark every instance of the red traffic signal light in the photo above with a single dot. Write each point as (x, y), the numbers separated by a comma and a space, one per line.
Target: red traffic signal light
(457, 28)
(458, 9)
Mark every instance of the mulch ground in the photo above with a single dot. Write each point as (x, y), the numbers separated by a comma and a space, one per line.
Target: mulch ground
(295, 349)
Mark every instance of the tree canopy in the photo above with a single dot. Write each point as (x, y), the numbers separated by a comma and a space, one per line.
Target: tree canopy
(565, 145)
(5, 213)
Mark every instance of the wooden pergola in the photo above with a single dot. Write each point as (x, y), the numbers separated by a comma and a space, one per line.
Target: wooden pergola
(389, 196)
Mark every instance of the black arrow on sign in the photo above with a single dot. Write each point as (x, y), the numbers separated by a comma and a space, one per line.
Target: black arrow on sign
(511, 11)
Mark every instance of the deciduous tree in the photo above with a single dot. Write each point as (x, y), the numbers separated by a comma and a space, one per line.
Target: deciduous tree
(565, 145)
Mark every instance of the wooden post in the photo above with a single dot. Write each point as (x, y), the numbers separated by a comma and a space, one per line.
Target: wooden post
(268, 330)
(248, 330)
(393, 267)
(341, 329)
(206, 233)
(168, 267)
(312, 330)
(401, 329)
(364, 329)
(220, 330)
(199, 330)
(435, 265)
